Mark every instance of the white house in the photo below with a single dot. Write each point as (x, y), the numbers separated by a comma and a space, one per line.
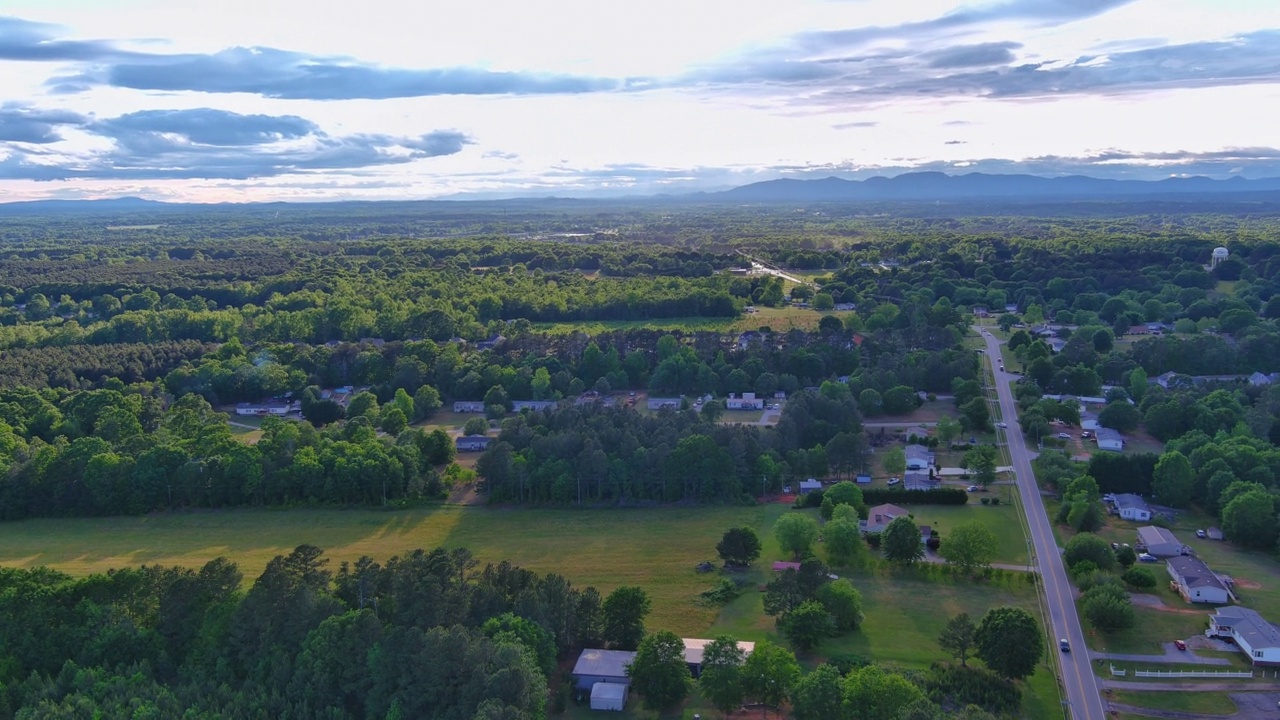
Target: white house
(1251, 632)
(810, 485)
(472, 443)
(748, 401)
(518, 405)
(694, 647)
(1159, 542)
(1109, 439)
(918, 457)
(1132, 507)
(879, 517)
(268, 408)
(468, 406)
(1196, 582)
(658, 403)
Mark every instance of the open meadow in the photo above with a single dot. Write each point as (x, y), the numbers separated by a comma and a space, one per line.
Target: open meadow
(657, 549)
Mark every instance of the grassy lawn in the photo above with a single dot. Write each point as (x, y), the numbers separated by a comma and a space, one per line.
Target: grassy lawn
(1257, 574)
(777, 319)
(1200, 703)
(447, 420)
(1002, 520)
(656, 549)
(1152, 628)
(741, 416)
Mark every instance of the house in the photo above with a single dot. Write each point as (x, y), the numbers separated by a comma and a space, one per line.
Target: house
(919, 481)
(748, 401)
(1138, 330)
(602, 666)
(1195, 582)
(1132, 507)
(1258, 378)
(1056, 344)
(862, 479)
(1158, 542)
(693, 648)
(609, 696)
(664, 403)
(472, 443)
(518, 405)
(845, 306)
(268, 408)
(782, 565)
(1011, 308)
(918, 457)
(1109, 439)
(810, 485)
(879, 517)
(746, 338)
(468, 406)
(1251, 632)
(491, 343)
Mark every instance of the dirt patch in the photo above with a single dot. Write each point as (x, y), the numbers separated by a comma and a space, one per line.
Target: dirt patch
(1247, 584)
(465, 495)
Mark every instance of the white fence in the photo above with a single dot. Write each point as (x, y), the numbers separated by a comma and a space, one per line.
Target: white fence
(1184, 673)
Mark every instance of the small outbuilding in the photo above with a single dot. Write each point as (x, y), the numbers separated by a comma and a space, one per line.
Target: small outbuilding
(810, 485)
(609, 696)
(602, 666)
(863, 479)
(1159, 542)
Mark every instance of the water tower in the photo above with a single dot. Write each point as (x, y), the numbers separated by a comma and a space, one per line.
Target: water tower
(1219, 254)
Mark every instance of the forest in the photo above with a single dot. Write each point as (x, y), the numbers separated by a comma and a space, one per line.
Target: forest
(127, 341)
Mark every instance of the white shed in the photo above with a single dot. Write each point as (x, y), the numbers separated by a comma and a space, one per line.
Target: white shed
(810, 485)
(609, 696)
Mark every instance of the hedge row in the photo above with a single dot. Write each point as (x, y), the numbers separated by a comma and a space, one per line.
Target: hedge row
(899, 496)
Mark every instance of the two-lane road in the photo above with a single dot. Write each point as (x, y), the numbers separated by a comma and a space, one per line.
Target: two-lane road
(1083, 697)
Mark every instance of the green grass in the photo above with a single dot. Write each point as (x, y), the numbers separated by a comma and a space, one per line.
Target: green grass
(1002, 520)
(778, 319)
(657, 549)
(1152, 627)
(1200, 703)
(741, 416)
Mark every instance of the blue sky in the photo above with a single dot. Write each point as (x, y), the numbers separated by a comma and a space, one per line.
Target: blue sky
(382, 99)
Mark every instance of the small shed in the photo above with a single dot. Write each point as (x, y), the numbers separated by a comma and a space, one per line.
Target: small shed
(810, 485)
(609, 696)
(863, 479)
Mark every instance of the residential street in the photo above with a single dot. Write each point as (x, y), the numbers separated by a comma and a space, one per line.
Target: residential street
(1082, 694)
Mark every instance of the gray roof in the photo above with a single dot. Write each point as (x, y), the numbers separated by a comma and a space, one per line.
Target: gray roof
(1251, 626)
(603, 663)
(919, 451)
(1105, 433)
(918, 481)
(1153, 536)
(1129, 501)
(1194, 573)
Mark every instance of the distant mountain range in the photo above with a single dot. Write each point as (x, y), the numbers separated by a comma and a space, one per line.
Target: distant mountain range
(939, 186)
(908, 187)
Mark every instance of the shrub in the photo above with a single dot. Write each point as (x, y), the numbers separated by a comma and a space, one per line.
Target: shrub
(1139, 578)
(848, 662)
(957, 686)
(899, 496)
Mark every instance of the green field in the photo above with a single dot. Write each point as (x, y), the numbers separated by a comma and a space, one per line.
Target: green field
(657, 549)
(777, 319)
(1201, 703)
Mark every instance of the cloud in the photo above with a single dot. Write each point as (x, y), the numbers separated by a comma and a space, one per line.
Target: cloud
(205, 143)
(25, 40)
(997, 53)
(205, 126)
(19, 123)
(297, 76)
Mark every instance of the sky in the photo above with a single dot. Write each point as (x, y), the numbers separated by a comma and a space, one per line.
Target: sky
(302, 100)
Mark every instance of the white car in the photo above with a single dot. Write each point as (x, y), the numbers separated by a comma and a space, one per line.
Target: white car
(894, 481)
(1147, 557)
(1002, 425)
(971, 488)
(1064, 436)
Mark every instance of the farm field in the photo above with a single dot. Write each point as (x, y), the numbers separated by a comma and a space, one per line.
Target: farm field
(657, 549)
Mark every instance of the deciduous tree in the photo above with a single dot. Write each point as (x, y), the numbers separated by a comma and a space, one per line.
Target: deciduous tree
(659, 672)
(1009, 641)
(901, 542)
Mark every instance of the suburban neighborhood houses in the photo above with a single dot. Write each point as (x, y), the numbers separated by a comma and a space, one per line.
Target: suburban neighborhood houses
(1195, 582)
(1256, 638)
(1130, 507)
